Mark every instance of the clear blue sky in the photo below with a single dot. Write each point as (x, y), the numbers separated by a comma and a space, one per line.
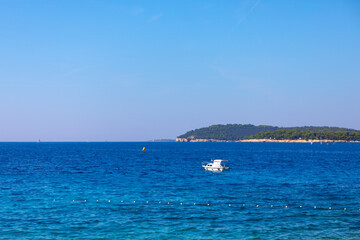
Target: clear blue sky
(140, 70)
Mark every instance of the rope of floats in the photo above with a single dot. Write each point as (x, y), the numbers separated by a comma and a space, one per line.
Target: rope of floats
(235, 205)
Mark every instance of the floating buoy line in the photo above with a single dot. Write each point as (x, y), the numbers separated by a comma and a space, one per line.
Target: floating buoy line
(209, 204)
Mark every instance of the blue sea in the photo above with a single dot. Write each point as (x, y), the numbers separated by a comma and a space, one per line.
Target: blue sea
(117, 191)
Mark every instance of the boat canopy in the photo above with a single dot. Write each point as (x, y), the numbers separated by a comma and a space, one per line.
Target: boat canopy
(217, 162)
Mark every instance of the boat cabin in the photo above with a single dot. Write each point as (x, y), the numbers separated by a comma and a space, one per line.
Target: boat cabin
(219, 163)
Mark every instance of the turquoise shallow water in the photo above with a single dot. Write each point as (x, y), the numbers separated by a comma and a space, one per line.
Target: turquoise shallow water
(116, 191)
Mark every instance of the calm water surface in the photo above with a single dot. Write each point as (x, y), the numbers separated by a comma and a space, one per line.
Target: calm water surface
(116, 191)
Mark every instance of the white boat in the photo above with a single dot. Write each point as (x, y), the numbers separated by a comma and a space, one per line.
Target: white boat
(217, 165)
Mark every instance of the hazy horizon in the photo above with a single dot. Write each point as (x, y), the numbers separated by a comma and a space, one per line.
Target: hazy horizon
(141, 70)
(147, 140)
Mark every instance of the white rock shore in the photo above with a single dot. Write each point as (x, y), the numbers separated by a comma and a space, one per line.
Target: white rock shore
(192, 139)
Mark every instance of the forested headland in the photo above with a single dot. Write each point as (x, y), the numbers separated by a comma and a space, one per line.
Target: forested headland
(238, 132)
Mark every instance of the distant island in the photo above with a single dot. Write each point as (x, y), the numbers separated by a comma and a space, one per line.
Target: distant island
(162, 140)
(265, 133)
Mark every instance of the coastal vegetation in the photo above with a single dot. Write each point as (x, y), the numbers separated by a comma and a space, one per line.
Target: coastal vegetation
(231, 132)
(237, 132)
(291, 134)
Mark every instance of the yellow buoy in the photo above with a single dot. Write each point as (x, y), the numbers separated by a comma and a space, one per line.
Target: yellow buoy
(144, 149)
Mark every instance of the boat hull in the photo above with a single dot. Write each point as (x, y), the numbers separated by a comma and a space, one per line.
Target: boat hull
(216, 169)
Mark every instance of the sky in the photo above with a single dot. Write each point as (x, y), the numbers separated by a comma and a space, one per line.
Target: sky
(141, 70)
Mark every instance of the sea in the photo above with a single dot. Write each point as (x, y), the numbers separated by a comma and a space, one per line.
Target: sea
(114, 190)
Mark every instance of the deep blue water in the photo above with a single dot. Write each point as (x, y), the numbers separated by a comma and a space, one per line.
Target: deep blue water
(116, 191)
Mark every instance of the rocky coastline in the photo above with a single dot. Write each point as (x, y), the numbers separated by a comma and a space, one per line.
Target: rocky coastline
(263, 140)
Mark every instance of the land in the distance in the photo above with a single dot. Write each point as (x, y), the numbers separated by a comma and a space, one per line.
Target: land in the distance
(162, 140)
(265, 133)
